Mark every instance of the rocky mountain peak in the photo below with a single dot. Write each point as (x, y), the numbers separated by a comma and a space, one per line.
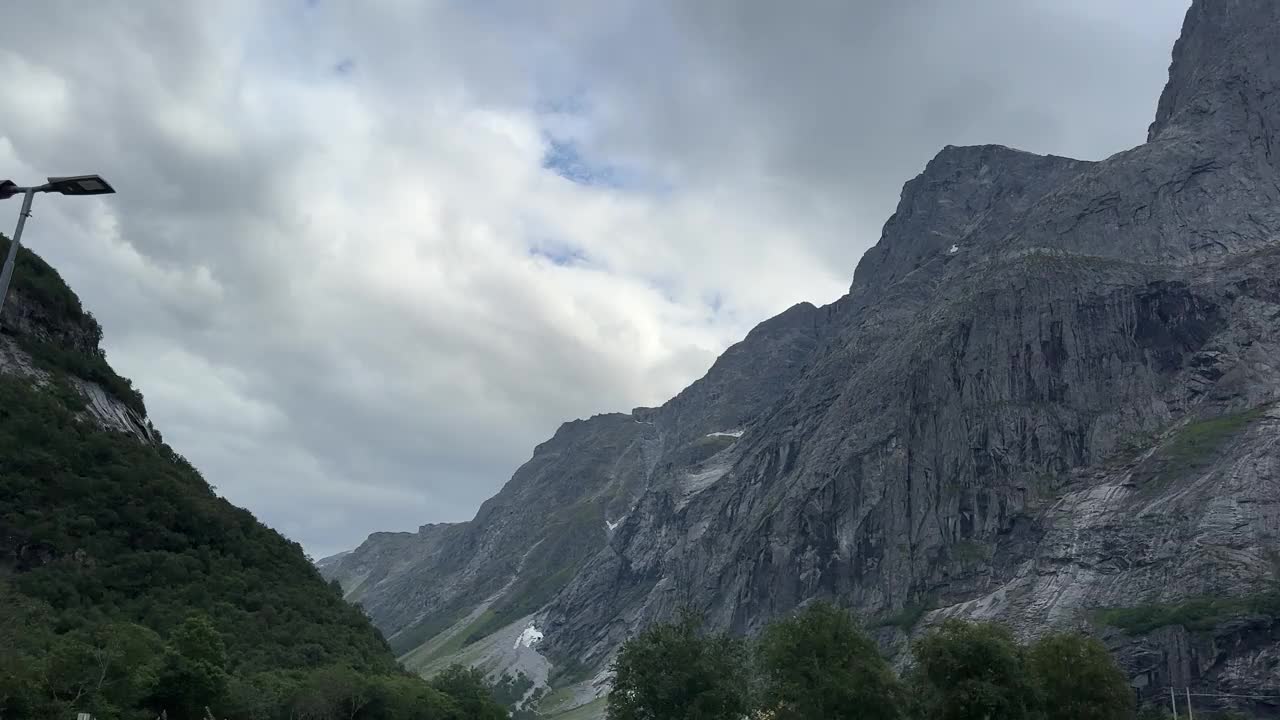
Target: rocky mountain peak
(1223, 79)
(1049, 391)
(965, 197)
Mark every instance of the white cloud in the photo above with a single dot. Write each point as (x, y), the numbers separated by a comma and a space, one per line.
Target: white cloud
(38, 95)
(356, 298)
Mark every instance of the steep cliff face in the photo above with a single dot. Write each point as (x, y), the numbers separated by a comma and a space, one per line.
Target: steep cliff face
(1049, 398)
(563, 506)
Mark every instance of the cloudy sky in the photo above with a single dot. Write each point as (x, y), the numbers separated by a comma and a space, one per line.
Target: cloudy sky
(365, 255)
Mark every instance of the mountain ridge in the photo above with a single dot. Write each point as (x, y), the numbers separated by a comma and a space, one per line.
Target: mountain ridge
(1048, 382)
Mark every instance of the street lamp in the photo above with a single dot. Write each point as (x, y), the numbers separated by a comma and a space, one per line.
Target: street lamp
(78, 185)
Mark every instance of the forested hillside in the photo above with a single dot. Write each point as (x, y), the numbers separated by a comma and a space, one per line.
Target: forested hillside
(129, 588)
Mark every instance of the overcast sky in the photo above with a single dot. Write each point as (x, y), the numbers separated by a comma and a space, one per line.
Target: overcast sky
(365, 255)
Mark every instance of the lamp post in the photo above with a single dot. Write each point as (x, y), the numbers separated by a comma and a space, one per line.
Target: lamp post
(78, 185)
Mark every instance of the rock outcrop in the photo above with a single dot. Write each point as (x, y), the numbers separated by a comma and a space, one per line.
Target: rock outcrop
(1049, 398)
(46, 336)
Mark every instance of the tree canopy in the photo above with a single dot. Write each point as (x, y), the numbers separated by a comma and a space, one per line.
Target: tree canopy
(675, 672)
(1077, 679)
(819, 665)
(972, 671)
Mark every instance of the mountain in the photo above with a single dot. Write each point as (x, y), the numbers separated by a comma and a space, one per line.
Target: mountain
(127, 586)
(1049, 398)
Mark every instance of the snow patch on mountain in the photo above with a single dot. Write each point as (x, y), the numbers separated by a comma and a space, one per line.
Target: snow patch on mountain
(528, 638)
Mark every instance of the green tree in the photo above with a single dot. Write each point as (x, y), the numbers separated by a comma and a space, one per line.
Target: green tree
(673, 671)
(102, 669)
(1078, 679)
(972, 671)
(409, 698)
(24, 641)
(334, 693)
(509, 689)
(818, 665)
(193, 672)
(258, 697)
(468, 689)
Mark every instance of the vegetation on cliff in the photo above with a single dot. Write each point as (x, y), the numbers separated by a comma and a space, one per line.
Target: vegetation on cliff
(128, 588)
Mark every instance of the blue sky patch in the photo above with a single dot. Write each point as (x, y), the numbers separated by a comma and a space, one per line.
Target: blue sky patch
(564, 159)
(559, 253)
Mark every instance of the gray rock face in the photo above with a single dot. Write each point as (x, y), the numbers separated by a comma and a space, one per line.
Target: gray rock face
(32, 320)
(1051, 391)
(1224, 75)
(562, 506)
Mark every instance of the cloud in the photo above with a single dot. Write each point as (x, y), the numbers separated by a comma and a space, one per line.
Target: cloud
(365, 256)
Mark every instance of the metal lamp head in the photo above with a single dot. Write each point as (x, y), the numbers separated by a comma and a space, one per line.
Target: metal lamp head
(80, 185)
(77, 185)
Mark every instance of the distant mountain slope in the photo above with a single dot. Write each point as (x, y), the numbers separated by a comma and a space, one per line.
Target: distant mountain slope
(1049, 398)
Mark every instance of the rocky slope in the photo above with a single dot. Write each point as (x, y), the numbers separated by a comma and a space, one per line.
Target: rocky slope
(1049, 398)
(47, 337)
